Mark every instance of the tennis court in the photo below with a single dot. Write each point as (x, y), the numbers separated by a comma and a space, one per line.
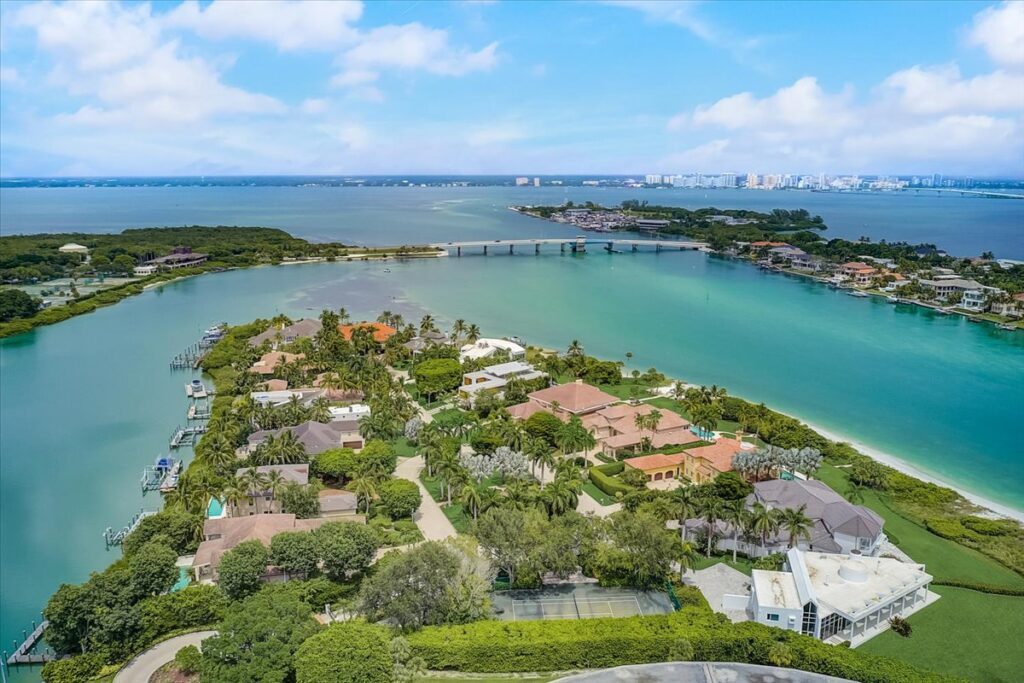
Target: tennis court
(581, 601)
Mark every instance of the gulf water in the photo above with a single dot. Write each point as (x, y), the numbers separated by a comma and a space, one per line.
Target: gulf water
(87, 403)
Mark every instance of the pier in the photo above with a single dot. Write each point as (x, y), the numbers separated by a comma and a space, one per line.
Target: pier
(23, 653)
(189, 359)
(112, 538)
(575, 245)
(161, 476)
(185, 436)
(200, 410)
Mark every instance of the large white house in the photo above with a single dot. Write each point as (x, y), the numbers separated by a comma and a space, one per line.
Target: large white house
(494, 378)
(485, 348)
(838, 598)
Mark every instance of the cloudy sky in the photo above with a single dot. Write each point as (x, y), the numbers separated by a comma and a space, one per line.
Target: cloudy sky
(407, 86)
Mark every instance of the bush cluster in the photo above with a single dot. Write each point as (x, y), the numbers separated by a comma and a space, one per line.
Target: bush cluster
(603, 477)
(494, 646)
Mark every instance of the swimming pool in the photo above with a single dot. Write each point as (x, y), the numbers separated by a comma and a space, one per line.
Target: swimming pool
(215, 510)
(184, 579)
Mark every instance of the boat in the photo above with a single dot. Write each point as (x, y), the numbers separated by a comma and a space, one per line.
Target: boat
(893, 299)
(857, 293)
(971, 319)
(1009, 327)
(941, 311)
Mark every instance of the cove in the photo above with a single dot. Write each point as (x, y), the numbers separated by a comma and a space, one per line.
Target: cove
(90, 401)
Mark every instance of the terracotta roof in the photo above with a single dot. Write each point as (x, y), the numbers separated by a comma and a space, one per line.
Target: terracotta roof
(768, 244)
(381, 332)
(276, 384)
(719, 454)
(231, 531)
(655, 461)
(269, 361)
(575, 397)
(301, 328)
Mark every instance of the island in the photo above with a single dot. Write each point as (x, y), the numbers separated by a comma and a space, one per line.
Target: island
(384, 501)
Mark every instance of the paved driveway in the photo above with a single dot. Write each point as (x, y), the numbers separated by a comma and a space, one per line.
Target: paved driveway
(142, 668)
(429, 517)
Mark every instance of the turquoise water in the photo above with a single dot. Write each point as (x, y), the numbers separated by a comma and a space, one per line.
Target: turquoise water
(382, 215)
(184, 579)
(215, 508)
(87, 403)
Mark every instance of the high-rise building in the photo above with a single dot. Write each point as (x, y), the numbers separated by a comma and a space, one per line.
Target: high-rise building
(752, 180)
(536, 182)
(652, 179)
(727, 180)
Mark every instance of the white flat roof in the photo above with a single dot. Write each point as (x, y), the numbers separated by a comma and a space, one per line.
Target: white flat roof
(509, 368)
(485, 347)
(775, 589)
(854, 584)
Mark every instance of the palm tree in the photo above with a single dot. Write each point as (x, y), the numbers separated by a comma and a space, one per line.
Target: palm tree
(705, 418)
(320, 410)
(855, 493)
(255, 484)
(343, 315)
(545, 459)
(559, 497)
(735, 513)
(472, 333)
(710, 511)
(797, 524)
(685, 501)
(234, 493)
(275, 480)
(688, 556)
(427, 324)
(575, 348)
(365, 487)
(763, 522)
(471, 499)
(519, 494)
(678, 390)
(458, 329)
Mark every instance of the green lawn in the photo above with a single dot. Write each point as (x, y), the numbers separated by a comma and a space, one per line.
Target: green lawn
(666, 403)
(403, 448)
(942, 558)
(741, 564)
(597, 494)
(626, 389)
(965, 634)
(447, 414)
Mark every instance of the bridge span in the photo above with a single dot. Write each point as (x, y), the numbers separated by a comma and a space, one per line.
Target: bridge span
(574, 244)
(953, 190)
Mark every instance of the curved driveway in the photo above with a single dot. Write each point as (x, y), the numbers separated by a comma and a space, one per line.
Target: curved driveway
(142, 668)
(429, 518)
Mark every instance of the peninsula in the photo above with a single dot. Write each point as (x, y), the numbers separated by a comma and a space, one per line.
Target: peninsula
(485, 498)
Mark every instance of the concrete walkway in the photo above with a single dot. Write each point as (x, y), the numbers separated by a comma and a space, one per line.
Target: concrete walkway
(429, 517)
(587, 505)
(142, 668)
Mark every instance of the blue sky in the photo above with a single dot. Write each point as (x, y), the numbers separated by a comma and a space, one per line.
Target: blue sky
(407, 86)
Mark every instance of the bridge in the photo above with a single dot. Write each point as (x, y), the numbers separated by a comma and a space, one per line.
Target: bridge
(980, 193)
(574, 244)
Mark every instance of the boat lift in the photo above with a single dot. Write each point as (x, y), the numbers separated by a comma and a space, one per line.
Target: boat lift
(162, 475)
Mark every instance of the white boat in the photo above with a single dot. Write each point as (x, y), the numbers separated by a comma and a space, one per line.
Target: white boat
(893, 299)
(857, 293)
(1007, 326)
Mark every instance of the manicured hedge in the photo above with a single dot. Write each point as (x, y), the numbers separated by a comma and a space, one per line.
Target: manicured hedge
(496, 646)
(602, 476)
(980, 587)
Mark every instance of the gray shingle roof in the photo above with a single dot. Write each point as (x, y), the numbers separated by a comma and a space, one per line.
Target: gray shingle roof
(835, 513)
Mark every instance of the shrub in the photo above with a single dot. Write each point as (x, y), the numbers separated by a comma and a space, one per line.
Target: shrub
(197, 605)
(437, 375)
(900, 626)
(990, 527)
(188, 659)
(399, 497)
(779, 654)
(73, 669)
(336, 464)
(495, 646)
(352, 652)
(948, 528)
(603, 478)
(241, 569)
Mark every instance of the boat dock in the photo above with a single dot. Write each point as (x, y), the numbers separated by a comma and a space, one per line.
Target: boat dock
(23, 653)
(200, 410)
(186, 436)
(162, 476)
(111, 537)
(189, 359)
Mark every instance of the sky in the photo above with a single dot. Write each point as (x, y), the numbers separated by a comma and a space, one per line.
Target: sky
(233, 87)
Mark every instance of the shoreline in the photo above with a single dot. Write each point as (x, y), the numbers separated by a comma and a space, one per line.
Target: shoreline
(909, 469)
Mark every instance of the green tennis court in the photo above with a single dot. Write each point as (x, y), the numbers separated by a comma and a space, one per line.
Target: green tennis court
(582, 601)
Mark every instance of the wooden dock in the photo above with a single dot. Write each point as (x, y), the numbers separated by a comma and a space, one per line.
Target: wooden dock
(23, 654)
(111, 537)
(186, 436)
(189, 359)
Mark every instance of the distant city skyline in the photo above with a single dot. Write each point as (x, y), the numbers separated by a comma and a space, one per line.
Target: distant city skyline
(311, 88)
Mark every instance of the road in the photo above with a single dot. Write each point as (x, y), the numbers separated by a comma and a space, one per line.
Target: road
(142, 668)
(429, 517)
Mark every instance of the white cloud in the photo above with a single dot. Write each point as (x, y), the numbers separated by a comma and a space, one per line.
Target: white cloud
(940, 89)
(1000, 31)
(114, 57)
(494, 135)
(313, 106)
(411, 47)
(288, 24)
(353, 135)
(800, 107)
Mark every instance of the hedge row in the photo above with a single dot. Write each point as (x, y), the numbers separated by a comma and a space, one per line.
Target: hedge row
(603, 478)
(980, 587)
(496, 646)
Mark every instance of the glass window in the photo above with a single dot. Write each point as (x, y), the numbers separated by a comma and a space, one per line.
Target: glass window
(773, 617)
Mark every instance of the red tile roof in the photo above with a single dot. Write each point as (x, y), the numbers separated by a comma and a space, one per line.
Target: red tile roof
(574, 397)
(718, 454)
(381, 332)
(655, 462)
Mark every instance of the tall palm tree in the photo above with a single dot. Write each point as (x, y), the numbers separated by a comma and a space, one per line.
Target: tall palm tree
(575, 348)
(255, 483)
(559, 497)
(427, 324)
(688, 556)
(735, 513)
(545, 459)
(320, 410)
(763, 522)
(710, 511)
(365, 487)
(471, 499)
(795, 523)
(678, 390)
(472, 333)
(685, 501)
(458, 329)
(519, 494)
(275, 480)
(234, 493)
(343, 315)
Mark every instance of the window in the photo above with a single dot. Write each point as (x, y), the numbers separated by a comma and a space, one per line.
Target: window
(773, 617)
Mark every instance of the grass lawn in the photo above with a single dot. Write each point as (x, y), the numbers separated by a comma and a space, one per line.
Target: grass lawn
(666, 403)
(966, 633)
(741, 564)
(403, 448)
(626, 390)
(597, 494)
(943, 559)
(447, 414)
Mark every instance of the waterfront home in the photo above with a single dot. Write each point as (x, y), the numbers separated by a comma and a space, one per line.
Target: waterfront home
(894, 281)
(838, 598)
(355, 411)
(315, 437)
(807, 262)
(700, 465)
(1011, 308)
(485, 348)
(268, 362)
(493, 379)
(143, 271)
(563, 400)
(276, 399)
(973, 295)
(180, 257)
(615, 427)
(287, 334)
(381, 332)
(422, 342)
(858, 271)
(264, 502)
(837, 526)
(223, 534)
